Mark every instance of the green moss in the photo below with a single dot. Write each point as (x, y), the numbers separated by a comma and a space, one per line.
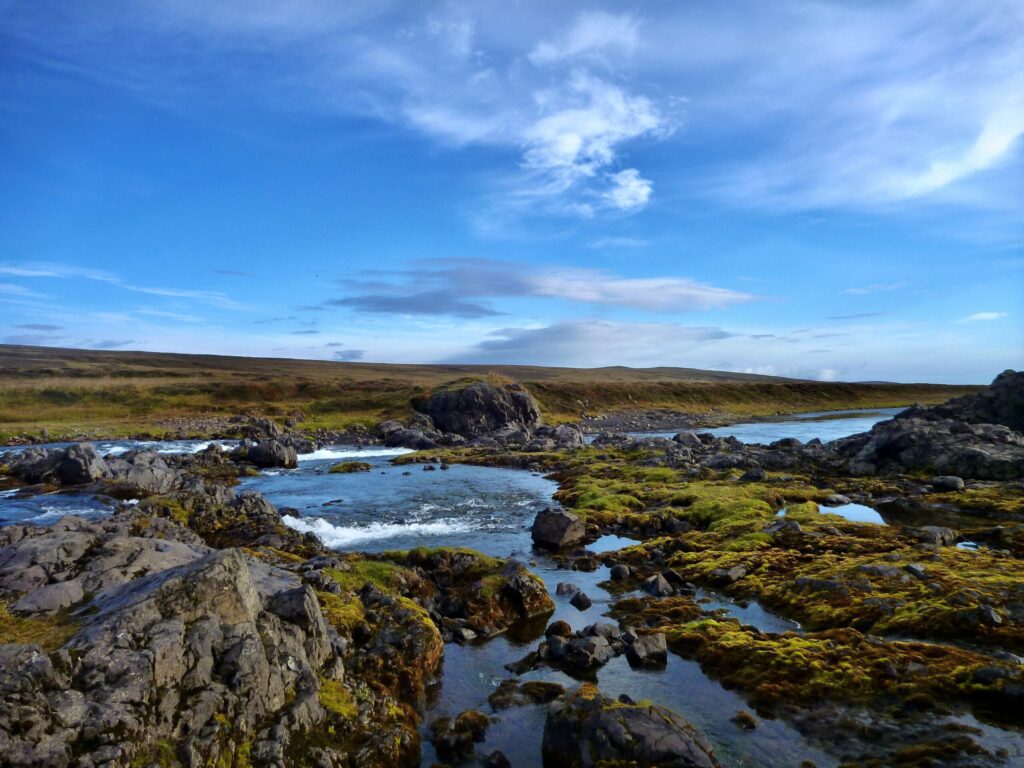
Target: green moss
(48, 632)
(161, 753)
(380, 573)
(349, 467)
(337, 699)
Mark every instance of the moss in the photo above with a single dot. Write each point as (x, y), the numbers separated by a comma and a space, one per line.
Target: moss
(836, 665)
(349, 467)
(343, 612)
(337, 699)
(380, 573)
(49, 633)
(161, 753)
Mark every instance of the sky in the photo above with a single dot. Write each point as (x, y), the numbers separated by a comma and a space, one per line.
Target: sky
(824, 190)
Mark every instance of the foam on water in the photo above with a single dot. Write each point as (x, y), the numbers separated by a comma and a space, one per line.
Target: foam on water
(351, 453)
(337, 536)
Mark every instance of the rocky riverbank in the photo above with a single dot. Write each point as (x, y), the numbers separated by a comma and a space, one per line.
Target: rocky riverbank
(192, 627)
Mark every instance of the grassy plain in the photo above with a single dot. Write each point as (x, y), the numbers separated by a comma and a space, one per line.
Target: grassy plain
(77, 393)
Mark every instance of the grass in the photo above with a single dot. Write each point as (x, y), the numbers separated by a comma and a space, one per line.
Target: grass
(80, 393)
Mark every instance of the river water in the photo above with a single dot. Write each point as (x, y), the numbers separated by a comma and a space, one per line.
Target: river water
(490, 510)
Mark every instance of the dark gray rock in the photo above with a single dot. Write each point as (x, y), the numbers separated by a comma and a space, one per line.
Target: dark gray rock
(947, 483)
(272, 453)
(581, 601)
(647, 650)
(587, 729)
(556, 528)
(481, 409)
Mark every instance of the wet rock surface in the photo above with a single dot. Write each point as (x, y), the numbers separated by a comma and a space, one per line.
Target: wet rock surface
(588, 729)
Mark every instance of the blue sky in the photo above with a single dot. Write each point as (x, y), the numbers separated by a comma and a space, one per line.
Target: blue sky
(813, 189)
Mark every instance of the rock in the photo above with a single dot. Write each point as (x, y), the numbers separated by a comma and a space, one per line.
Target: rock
(81, 464)
(159, 655)
(937, 535)
(588, 729)
(657, 586)
(835, 500)
(580, 601)
(480, 409)
(744, 720)
(649, 650)
(512, 693)
(587, 652)
(783, 526)
(726, 576)
(348, 467)
(566, 588)
(416, 439)
(916, 570)
(619, 572)
(557, 528)
(943, 483)
(755, 475)
(457, 738)
(272, 453)
(558, 629)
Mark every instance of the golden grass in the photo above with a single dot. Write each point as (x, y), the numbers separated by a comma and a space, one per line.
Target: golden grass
(80, 392)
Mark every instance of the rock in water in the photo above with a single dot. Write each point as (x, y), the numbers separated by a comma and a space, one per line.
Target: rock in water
(588, 729)
(556, 528)
(481, 408)
(272, 453)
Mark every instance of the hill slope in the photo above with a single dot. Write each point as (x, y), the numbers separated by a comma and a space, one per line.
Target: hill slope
(76, 392)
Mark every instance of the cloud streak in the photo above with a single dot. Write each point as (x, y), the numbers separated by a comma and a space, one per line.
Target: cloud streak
(454, 281)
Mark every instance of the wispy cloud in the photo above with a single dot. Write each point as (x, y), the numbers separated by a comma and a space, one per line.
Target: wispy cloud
(67, 272)
(591, 342)
(857, 316)
(454, 281)
(876, 288)
(984, 316)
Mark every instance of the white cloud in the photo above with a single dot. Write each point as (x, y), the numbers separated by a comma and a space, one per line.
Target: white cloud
(984, 316)
(628, 190)
(667, 294)
(876, 288)
(592, 33)
(10, 289)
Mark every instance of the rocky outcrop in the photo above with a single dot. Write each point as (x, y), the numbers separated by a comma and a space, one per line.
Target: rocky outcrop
(976, 436)
(470, 595)
(480, 409)
(141, 472)
(556, 528)
(207, 650)
(587, 729)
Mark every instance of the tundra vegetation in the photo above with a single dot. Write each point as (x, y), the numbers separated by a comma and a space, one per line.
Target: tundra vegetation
(195, 628)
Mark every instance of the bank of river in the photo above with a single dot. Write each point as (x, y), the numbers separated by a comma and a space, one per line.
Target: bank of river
(490, 510)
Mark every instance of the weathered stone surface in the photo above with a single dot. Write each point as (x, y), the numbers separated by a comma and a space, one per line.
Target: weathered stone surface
(587, 729)
(481, 409)
(650, 650)
(557, 528)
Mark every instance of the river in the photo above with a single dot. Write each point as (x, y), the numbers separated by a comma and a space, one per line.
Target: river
(490, 510)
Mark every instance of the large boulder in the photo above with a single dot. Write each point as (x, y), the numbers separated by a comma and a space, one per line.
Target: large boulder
(77, 464)
(480, 409)
(174, 644)
(556, 528)
(587, 729)
(976, 436)
(272, 453)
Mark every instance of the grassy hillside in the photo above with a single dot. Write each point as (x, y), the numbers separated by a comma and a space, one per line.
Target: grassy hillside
(75, 392)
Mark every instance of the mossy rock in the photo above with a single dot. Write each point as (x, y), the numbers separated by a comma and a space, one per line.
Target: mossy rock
(350, 467)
